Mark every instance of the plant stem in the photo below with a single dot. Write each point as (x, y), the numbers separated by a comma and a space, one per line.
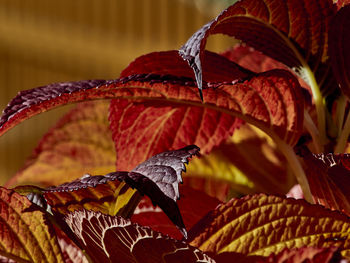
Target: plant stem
(298, 170)
(312, 129)
(319, 103)
(343, 138)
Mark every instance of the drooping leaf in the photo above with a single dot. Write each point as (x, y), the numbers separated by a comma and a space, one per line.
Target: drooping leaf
(262, 224)
(339, 43)
(80, 143)
(26, 234)
(249, 100)
(217, 68)
(165, 169)
(158, 178)
(329, 179)
(115, 239)
(193, 205)
(293, 32)
(107, 194)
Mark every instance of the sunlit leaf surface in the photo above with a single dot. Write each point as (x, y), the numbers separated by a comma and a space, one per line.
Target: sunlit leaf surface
(262, 224)
(26, 235)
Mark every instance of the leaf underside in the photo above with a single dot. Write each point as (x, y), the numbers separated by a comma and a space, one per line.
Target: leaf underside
(114, 239)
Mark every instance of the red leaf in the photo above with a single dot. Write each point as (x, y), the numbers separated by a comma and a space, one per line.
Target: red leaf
(257, 100)
(114, 239)
(193, 205)
(216, 68)
(339, 43)
(288, 31)
(151, 128)
(329, 179)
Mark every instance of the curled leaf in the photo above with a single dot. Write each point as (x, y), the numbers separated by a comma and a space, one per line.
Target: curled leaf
(293, 32)
(114, 239)
(249, 100)
(157, 177)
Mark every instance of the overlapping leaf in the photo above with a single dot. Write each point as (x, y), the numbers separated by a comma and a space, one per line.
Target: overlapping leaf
(249, 161)
(293, 32)
(157, 177)
(26, 235)
(114, 239)
(216, 68)
(80, 143)
(151, 128)
(193, 205)
(329, 178)
(339, 43)
(250, 100)
(261, 225)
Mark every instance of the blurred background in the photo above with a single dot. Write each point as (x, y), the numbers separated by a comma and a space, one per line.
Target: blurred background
(52, 41)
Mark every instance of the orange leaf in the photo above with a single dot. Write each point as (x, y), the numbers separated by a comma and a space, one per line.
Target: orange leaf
(261, 225)
(26, 235)
(114, 239)
(80, 143)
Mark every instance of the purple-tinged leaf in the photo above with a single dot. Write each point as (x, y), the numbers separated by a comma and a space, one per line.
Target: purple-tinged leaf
(158, 178)
(115, 239)
(165, 169)
(249, 100)
(289, 31)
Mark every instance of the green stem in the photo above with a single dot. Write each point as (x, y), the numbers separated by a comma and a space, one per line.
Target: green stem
(343, 138)
(298, 170)
(319, 102)
(312, 129)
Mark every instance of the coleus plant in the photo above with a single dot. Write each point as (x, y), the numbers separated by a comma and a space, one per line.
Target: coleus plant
(267, 114)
